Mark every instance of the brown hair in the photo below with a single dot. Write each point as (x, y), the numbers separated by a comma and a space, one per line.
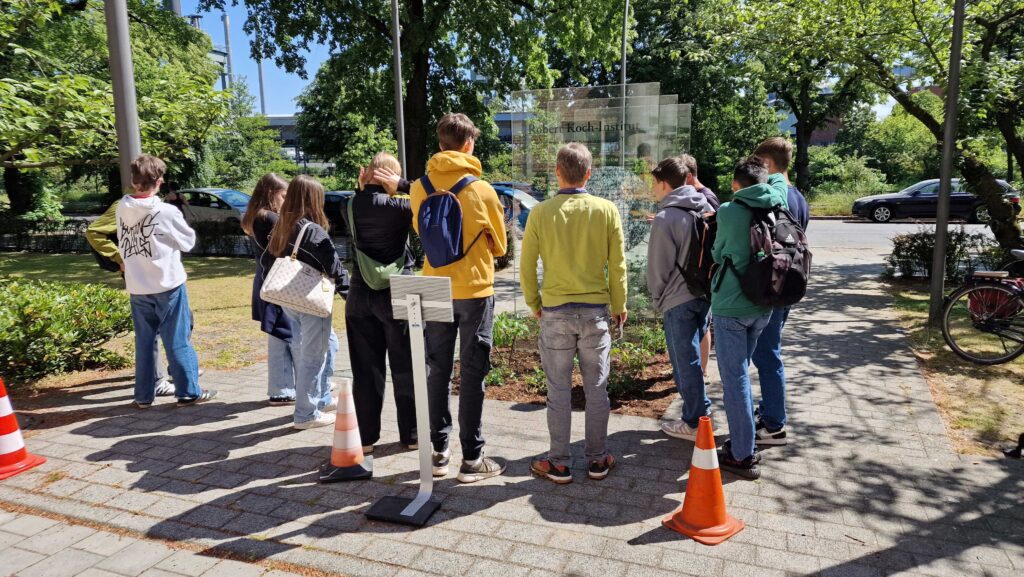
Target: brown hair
(385, 160)
(260, 203)
(146, 171)
(305, 199)
(574, 160)
(454, 130)
(690, 163)
(777, 149)
(671, 170)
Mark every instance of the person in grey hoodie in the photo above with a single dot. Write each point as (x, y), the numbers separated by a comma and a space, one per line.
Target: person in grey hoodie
(685, 314)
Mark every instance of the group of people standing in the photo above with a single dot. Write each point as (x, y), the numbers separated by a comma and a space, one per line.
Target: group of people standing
(580, 301)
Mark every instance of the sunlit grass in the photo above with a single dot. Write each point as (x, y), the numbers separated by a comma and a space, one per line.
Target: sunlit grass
(219, 290)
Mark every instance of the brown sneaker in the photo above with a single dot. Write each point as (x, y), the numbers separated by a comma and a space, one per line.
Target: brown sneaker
(600, 468)
(543, 467)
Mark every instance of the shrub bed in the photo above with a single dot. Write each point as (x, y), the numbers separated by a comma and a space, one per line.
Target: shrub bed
(48, 328)
(965, 253)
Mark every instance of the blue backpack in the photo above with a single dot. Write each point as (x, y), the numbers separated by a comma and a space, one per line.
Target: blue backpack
(440, 223)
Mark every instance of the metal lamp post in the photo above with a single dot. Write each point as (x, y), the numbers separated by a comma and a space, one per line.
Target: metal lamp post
(946, 171)
(396, 63)
(122, 76)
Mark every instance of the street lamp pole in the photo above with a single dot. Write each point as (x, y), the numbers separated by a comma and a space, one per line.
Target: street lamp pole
(122, 76)
(622, 131)
(396, 64)
(946, 170)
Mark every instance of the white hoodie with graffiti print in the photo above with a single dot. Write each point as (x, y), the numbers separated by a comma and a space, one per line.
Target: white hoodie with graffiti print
(151, 236)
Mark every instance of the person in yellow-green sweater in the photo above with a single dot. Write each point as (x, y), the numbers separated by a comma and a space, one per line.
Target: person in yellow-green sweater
(578, 237)
(456, 170)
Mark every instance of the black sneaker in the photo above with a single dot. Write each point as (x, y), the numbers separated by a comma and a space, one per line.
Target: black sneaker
(280, 401)
(206, 395)
(139, 405)
(543, 467)
(482, 468)
(440, 462)
(599, 469)
(747, 468)
(765, 436)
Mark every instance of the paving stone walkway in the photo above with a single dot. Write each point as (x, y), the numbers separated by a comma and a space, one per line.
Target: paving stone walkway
(869, 486)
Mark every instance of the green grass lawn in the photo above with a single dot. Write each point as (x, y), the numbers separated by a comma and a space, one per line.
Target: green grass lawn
(835, 204)
(983, 406)
(219, 292)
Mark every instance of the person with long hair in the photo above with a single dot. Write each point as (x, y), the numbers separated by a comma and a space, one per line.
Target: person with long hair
(260, 218)
(380, 226)
(314, 343)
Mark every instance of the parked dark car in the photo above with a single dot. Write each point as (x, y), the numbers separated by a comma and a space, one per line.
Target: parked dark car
(921, 200)
(335, 203)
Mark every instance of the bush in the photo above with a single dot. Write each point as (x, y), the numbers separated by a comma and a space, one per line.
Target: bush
(628, 363)
(648, 335)
(49, 328)
(965, 253)
(833, 174)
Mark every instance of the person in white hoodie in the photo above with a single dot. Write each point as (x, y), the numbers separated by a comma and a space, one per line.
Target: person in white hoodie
(151, 236)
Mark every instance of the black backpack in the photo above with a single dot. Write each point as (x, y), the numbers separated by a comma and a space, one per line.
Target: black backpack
(780, 261)
(700, 264)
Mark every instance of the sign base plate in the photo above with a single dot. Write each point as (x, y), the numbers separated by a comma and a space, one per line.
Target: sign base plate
(390, 509)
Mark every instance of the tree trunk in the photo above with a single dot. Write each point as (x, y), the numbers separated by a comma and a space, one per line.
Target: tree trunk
(983, 184)
(803, 157)
(20, 190)
(416, 112)
(114, 188)
(1007, 124)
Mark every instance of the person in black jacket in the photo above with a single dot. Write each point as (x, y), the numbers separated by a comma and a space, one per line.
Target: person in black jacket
(260, 218)
(314, 343)
(381, 225)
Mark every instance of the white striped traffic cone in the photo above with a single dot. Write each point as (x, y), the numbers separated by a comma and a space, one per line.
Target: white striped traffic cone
(347, 460)
(14, 458)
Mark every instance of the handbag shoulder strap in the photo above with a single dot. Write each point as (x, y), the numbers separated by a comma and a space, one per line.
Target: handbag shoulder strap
(298, 240)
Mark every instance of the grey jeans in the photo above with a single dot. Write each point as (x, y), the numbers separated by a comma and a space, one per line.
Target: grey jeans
(565, 334)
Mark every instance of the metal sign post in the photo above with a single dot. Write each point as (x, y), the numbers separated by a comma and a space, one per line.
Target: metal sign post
(417, 299)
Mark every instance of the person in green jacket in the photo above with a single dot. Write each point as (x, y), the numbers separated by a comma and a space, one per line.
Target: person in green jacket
(578, 237)
(739, 322)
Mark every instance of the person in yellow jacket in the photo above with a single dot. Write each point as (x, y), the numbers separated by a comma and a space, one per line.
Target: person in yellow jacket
(102, 237)
(472, 277)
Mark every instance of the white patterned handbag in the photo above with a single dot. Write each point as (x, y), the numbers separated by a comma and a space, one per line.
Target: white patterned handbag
(296, 285)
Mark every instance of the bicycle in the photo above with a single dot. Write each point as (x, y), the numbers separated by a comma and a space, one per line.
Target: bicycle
(983, 320)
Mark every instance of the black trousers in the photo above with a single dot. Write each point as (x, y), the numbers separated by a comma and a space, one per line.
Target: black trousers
(474, 322)
(373, 334)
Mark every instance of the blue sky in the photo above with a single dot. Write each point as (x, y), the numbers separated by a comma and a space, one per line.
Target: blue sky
(281, 87)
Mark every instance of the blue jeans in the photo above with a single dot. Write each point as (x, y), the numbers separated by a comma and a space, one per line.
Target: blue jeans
(166, 314)
(314, 346)
(735, 340)
(280, 368)
(685, 327)
(771, 371)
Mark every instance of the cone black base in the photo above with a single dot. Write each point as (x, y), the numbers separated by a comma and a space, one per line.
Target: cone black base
(389, 509)
(331, 474)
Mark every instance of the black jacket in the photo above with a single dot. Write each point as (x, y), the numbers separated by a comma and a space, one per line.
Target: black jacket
(382, 227)
(317, 250)
(270, 316)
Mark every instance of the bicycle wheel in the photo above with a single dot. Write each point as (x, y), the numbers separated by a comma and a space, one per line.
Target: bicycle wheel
(984, 323)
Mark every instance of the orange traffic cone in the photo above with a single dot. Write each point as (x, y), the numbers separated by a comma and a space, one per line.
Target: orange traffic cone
(347, 460)
(14, 458)
(702, 516)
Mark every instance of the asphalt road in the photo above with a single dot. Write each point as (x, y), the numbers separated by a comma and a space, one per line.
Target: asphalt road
(869, 236)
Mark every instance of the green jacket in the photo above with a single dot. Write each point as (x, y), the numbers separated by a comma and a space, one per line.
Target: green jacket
(733, 242)
(579, 239)
(99, 232)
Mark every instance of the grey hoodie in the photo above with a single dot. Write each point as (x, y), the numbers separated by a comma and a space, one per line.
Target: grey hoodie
(668, 246)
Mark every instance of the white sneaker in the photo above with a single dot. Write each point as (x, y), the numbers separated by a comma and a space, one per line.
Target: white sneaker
(323, 420)
(164, 388)
(331, 406)
(680, 430)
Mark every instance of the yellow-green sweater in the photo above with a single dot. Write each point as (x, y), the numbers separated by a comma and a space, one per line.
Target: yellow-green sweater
(578, 237)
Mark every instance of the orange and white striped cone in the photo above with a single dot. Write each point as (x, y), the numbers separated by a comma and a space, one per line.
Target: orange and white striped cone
(347, 460)
(702, 516)
(14, 458)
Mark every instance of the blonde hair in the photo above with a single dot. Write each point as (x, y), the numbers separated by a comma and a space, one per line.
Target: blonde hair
(147, 170)
(261, 201)
(574, 160)
(305, 199)
(385, 160)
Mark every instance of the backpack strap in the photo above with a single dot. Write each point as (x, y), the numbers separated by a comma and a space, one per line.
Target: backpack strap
(427, 186)
(462, 183)
(695, 215)
(352, 222)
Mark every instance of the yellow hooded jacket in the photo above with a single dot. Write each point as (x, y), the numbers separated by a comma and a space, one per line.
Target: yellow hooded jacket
(473, 275)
